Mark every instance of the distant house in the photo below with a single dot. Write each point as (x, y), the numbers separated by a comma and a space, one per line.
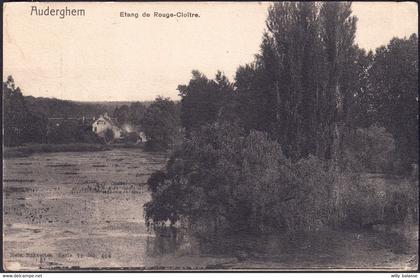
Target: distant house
(104, 123)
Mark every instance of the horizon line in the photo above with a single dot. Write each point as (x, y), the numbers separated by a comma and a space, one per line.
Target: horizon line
(97, 101)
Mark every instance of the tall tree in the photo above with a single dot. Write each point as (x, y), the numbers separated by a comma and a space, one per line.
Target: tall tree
(338, 30)
(20, 125)
(202, 100)
(161, 124)
(303, 61)
(394, 77)
(256, 105)
(357, 107)
(294, 27)
(15, 113)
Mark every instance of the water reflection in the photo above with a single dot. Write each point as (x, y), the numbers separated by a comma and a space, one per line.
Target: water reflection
(168, 240)
(331, 247)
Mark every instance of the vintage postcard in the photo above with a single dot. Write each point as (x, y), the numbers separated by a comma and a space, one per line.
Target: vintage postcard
(191, 136)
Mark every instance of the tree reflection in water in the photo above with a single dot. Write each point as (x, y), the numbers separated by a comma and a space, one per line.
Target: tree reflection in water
(167, 240)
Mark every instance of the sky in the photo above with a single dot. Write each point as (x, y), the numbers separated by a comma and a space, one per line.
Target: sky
(105, 57)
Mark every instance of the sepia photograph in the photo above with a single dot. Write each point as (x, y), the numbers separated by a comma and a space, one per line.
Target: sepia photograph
(210, 136)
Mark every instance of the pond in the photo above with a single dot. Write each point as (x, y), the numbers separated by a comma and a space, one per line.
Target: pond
(84, 210)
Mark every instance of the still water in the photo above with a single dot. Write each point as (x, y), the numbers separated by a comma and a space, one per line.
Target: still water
(85, 211)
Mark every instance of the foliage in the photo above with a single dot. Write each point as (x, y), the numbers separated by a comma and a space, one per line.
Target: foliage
(223, 180)
(310, 85)
(202, 100)
(64, 132)
(226, 180)
(282, 147)
(358, 102)
(14, 112)
(24, 126)
(311, 209)
(58, 108)
(20, 125)
(122, 114)
(394, 101)
(255, 106)
(86, 135)
(136, 113)
(36, 128)
(161, 124)
(358, 203)
(130, 114)
(369, 149)
(70, 131)
(365, 201)
(299, 87)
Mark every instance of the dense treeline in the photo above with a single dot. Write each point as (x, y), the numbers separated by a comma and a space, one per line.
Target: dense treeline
(46, 120)
(132, 114)
(23, 124)
(282, 146)
(58, 108)
(311, 86)
(19, 124)
(393, 93)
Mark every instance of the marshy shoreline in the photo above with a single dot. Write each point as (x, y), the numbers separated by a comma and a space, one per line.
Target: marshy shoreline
(30, 149)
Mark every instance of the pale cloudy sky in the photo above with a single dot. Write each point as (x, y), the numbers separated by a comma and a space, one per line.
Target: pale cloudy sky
(104, 57)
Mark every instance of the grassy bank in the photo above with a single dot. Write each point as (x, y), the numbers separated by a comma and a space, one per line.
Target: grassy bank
(129, 145)
(27, 150)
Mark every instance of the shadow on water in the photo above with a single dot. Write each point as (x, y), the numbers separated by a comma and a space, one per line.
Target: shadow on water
(167, 240)
(177, 241)
(320, 249)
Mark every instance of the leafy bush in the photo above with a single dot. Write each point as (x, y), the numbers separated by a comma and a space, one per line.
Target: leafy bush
(362, 202)
(86, 135)
(63, 132)
(69, 131)
(369, 149)
(358, 203)
(401, 206)
(311, 209)
(223, 180)
(131, 137)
